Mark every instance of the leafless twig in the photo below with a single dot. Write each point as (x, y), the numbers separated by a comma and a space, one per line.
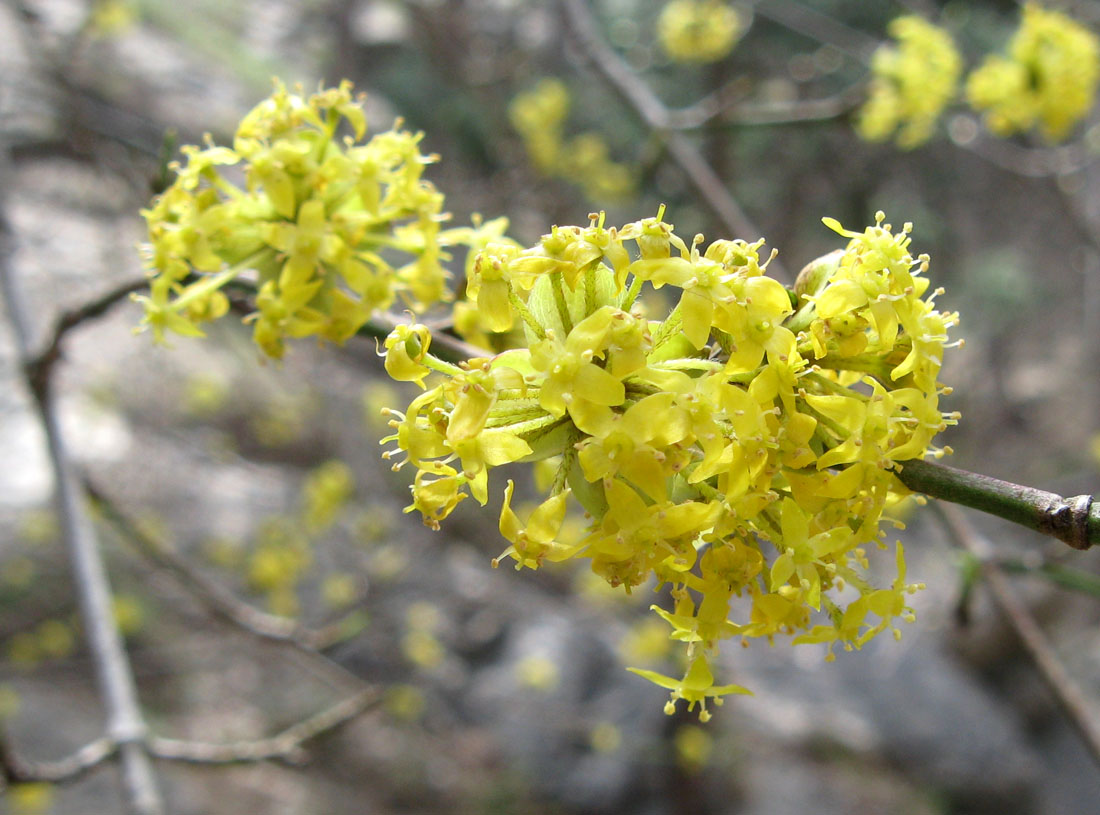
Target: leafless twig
(216, 598)
(41, 363)
(1066, 691)
(797, 111)
(286, 746)
(820, 27)
(655, 115)
(126, 726)
(708, 108)
(1031, 162)
(16, 770)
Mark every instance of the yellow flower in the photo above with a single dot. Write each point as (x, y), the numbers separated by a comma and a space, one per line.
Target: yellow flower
(706, 449)
(1049, 77)
(698, 31)
(695, 687)
(635, 539)
(534, 542)
(436, 492)
(574, 381)
(317, 226)
(406, 348)
(640, 445)
(912, 83)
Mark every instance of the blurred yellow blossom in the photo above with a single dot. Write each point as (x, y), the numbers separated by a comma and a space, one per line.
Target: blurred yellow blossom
(912, 83)
(326, 490)
(698, 31)
(693, 747)
(538, 672)
(605, 737)
(1048, 78)
(35, 798)
(539, 116)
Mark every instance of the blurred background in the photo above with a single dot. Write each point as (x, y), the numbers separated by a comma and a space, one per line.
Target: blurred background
(503, 691)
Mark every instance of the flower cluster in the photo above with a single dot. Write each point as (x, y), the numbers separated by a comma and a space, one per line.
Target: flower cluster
(539, 115)
(325, 229)
(742, 446)
(913, 82)
(698, 31)
(1048, 78)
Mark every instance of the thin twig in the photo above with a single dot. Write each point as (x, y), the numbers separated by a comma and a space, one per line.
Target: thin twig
(1030, 162)
(708, 108)
(655, 116)
(16, 770)
(1068, 694)
(819, 27)
(41, 364)
(286, 746)
(216, 598)
(379, 326)
(125, 724)
(797, 111)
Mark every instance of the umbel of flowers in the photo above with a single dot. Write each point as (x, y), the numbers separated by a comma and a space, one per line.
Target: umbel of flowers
(742, 445)
(913, 81)
(326, 227)
(1048, 78)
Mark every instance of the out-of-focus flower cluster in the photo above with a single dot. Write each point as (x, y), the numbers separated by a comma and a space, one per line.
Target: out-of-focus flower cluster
(1047, 79)
(741, 448)
(539, 116)
(326, 228)
(698, 31)
(913, 82)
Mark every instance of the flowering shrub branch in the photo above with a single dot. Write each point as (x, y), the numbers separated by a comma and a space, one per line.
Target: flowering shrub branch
(743, 447)
(748, 443)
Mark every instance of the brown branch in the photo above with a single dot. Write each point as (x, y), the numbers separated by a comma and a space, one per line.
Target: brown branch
(216, 598)
(286, 746)
(39, 366)
(1073, 702)
(1074, 521)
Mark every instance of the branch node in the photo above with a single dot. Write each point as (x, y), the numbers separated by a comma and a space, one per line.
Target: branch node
(1068, 520)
